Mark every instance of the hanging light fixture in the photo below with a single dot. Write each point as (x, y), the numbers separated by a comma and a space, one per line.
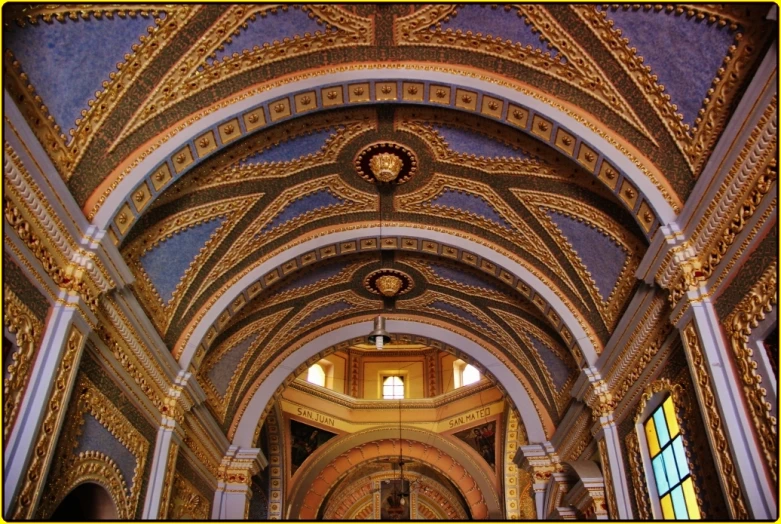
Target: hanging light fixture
(379, 337)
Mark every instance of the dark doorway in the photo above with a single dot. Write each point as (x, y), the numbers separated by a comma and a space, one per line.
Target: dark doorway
(87, 501)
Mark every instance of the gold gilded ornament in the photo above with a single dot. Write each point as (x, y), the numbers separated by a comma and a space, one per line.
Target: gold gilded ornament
(386, 166)
(389, 285)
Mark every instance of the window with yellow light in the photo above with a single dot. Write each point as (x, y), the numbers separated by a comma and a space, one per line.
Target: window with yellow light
(671, 473)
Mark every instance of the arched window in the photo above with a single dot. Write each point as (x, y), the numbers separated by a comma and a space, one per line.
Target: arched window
(316, 375)
(464, 374)
(672, 489)
(392, 387)
(470, 375)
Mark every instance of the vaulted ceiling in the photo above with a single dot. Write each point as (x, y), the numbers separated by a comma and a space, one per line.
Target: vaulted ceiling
(218, 143)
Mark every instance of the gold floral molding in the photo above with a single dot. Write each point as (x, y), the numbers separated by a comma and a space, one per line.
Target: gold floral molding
(372, 244)
(276, 447)
(41, 214)
(650, 348)
(187, 503)
(70, 470)
(250, 239)
(754, 157)
(713, 424)
(523, 330)
(639, 487)
(202, 446)
(580, 437)
(46, 440)
(696, 143)
(43, 237)
(599, 397)
(575, 67)
(90, 466)
(192, 74)
(699, 269)
(419, 202)
(223, 172)
(609, 309)
(120, 337)
(165, 496)
(232, 210)
(220, 403)
(519, 503)
(608, 473)
(738, 325)
(19, 320)
(96, 201)
(67, 154)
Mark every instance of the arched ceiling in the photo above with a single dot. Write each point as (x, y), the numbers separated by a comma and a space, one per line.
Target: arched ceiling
(210, 139)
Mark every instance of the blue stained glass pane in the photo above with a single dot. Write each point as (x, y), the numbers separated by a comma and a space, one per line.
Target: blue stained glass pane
(679, 503)
(680, 457)
(661, 427)
(669, 465)
(659, 474)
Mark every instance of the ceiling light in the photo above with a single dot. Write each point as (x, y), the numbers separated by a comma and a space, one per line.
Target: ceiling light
(379, 337)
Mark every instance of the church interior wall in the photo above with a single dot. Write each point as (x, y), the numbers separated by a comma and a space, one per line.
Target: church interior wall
(593, 252)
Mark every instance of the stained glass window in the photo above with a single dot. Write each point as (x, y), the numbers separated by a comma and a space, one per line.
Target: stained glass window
(670, 467)
(392, 387)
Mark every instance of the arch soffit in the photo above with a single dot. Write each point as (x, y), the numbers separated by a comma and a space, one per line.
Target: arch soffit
(203, 329)
(243, 430)
(351, 450)
(112, 205)
(343, 506)
(273, 405)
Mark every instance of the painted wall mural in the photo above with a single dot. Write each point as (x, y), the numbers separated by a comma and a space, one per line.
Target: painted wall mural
(304, 440)
(394, 500)
(483, 440)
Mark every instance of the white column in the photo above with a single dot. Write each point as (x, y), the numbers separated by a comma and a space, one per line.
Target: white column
(728, 420)
(540, 488)
(163, 464)
(614, 473)
(29, 448)
(170, 436)
(541, 461)
(231, 500)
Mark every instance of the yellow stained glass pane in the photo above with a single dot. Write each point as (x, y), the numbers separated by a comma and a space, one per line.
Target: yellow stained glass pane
(667, 508)
(669, 415)
(650, 436)
(691, 499)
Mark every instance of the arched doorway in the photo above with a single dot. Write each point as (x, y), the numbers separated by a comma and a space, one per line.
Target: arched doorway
(88, 501)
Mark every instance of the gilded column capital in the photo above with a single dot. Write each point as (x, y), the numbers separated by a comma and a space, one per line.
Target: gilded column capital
(179, 401)
(238, 466)
(541, 463)
(600, 399)
(589, 499)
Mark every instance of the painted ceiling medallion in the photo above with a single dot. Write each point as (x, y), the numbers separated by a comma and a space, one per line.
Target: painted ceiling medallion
(386, 163)
(388, 282)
